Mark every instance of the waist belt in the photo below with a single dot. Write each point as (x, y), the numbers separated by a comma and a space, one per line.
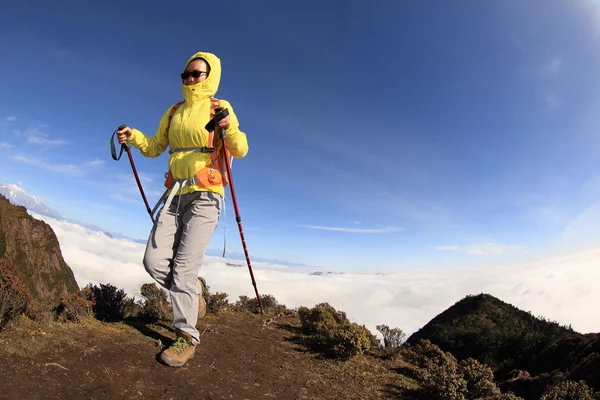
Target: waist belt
(195, 149)
(178, 185)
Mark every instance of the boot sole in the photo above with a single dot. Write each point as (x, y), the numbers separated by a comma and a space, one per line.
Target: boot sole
(171, 362)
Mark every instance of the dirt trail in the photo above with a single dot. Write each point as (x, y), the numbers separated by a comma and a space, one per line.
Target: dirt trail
(241, 356)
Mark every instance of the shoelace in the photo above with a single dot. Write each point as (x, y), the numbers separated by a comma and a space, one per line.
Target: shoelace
(180, 345)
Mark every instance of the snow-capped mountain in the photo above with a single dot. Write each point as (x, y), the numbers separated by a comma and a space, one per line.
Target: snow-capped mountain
(19, 197)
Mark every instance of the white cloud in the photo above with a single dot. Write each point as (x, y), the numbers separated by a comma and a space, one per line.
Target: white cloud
(127, 185)
(4, 145)
(44, 141)
(560, 289)
(552, 100)
(387, 229)
(11, 118)
(591, 10)
(95, 163)
(483, 249)
(552, 68)
(548, 214)
(35, 134)
(145, 177)
(128, 179)
(124, 199)
(102, 206)
(67, 169)
(585, 224)
(127, 190)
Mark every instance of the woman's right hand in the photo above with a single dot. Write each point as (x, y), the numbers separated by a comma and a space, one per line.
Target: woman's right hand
(123, 134)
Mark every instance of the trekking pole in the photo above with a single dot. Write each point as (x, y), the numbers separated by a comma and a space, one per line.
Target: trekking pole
(210, 127)
(125, 146)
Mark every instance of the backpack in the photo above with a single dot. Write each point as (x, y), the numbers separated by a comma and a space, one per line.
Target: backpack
(216, 172)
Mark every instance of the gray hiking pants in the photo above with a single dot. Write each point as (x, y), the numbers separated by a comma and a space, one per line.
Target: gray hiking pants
(175, 251)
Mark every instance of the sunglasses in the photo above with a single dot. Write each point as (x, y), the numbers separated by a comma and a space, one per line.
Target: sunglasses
(194, 74)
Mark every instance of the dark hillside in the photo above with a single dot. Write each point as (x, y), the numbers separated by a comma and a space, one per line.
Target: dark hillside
(508, 339)
(32, 247)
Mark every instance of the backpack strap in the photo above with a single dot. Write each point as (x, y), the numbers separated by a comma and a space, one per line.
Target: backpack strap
(171, 113)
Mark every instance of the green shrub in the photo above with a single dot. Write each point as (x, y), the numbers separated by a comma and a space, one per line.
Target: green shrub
(108, 302)
(131, 308)
(245, 303)
(439, 374)
(14, 292)
(75, 306)
(393, 338)
(40, 310)
(155, 307)
(503, 396)
(2, 242)
(347, 340)
(479, 378)
(330, 332)
(218, 302)
(442, 377)
(320, 318)
(269, 304)
(569, 390)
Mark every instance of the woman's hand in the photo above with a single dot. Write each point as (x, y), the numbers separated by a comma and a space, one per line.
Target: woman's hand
(123, 134)
(224, 123)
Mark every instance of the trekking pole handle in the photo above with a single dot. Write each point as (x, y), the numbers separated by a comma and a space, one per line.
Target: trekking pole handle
(212, 124)
(113, 147)
(126, 144)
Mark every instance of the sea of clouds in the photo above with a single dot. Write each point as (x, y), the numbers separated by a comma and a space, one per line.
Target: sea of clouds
(565, 289)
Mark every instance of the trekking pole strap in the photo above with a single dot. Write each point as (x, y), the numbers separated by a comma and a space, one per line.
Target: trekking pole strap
(124, 146)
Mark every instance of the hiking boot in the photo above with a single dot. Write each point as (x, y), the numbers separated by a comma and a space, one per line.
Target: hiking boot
(201, 300)
(180, 351)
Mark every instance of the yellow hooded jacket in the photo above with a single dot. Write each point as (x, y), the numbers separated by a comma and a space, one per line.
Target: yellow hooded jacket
(187, 129)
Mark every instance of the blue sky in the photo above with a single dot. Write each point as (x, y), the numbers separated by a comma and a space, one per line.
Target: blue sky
(386, 136)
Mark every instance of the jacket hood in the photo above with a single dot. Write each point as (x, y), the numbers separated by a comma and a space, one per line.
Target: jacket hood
(208, 87)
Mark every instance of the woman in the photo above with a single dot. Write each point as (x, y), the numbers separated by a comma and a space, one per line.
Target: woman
(180, 236)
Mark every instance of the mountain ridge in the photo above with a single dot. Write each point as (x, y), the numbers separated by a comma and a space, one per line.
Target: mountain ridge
(29, 251)
(509, 339)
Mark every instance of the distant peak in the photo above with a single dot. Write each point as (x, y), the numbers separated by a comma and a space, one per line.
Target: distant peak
(18, 196)
(13, 187)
